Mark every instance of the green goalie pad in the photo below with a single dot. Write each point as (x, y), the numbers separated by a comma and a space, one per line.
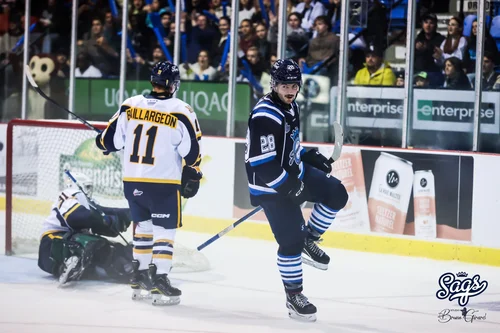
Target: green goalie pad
(79, 244)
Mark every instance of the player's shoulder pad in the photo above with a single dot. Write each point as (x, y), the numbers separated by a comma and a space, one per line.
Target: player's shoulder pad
(267, 109)
(182, 107)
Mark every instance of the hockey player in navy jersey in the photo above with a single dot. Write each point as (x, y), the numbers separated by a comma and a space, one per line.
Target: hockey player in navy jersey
(157, 132)
(282, 175)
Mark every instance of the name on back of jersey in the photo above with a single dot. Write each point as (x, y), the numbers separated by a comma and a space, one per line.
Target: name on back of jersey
(156, 117)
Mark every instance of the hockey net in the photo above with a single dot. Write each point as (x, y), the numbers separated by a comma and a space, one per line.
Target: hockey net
(38, 152)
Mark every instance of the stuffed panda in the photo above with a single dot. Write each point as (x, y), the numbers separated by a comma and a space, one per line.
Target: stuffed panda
(44, 69)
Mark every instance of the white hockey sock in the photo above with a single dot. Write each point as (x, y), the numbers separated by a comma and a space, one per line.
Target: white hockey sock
(163, 248)
(143, 243)
(291, 272)
(321, 218)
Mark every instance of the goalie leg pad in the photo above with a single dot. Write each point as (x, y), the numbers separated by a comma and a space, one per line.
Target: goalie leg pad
(55, 249)
(115, 260)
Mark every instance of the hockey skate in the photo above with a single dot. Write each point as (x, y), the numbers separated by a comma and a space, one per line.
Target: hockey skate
(312, 255)
(140, 283)
(299, 307)
(71, 270)
(162, 291)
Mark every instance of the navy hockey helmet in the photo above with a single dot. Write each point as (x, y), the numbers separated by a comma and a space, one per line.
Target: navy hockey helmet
(166, 74)
(285, 71)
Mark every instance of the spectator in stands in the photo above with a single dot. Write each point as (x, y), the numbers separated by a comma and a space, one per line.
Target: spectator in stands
(62, 64)
(297, 39)
(247, 35)
(166, 19)
(334, 8)
(84, 67)
(257, 64)
(55, 20)
(219, 44)
(455, 43)
(376, 72)
(246, 10)
(427, 41)
(490, 46)
(261, 42)
(217, 8)
(455, 77)
(103, 56)
(325, 46)
(400, 79)
(200, 70)
(489, 75)
(309, 10)
(421, 80)
(202, 36)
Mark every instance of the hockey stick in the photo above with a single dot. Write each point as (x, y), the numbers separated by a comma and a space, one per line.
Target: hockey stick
(40, 91)
(92, 204)
(337, 150)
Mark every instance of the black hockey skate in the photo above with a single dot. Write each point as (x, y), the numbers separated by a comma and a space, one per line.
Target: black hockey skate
(140, 283)
(299, 307)
(162, 291)
(71, 270)
(312, 254)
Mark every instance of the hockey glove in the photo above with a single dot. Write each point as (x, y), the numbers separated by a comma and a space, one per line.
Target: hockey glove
(190, 182)
(298, 194)
(314, 158)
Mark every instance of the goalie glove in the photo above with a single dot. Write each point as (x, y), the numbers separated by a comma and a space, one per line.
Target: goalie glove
(314, 158)
(190, 182)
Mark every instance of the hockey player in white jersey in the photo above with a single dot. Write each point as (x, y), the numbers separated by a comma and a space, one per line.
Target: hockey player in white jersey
(156, 132)
(71, 245)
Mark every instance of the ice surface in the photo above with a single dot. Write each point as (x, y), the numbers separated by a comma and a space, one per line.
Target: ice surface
(361, 292)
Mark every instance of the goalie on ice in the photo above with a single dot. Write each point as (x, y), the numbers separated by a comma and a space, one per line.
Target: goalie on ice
(72, 246)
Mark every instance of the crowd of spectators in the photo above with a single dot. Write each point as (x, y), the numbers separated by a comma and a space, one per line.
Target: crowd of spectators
(311, 39)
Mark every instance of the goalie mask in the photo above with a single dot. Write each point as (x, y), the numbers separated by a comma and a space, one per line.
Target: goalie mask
(85, 182)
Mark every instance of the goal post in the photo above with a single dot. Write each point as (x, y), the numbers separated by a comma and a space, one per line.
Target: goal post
(38, 152)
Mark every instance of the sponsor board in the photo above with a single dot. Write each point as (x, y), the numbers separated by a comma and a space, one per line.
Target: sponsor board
(382, 198)
(434, 110)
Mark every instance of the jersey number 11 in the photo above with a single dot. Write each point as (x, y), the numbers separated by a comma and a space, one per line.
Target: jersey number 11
(148, 157)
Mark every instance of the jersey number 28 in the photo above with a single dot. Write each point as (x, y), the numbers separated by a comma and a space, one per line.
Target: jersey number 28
(148, 157)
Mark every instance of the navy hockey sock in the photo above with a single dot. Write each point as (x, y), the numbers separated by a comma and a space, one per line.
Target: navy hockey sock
(321, 219)
(291, 272)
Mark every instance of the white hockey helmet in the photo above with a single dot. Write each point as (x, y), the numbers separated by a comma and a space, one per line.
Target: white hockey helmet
(83, 180)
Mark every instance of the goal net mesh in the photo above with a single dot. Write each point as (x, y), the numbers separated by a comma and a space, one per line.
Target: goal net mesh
(41, 151)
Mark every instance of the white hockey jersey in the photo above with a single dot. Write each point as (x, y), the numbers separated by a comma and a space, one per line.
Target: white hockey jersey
(155, 134)
(68, 206)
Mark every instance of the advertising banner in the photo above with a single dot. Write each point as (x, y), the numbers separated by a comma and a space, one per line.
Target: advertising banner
(208, 99)
(392, 192)
(435, 110)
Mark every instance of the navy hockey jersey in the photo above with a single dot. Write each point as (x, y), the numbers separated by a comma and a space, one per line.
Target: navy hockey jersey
(273, 149)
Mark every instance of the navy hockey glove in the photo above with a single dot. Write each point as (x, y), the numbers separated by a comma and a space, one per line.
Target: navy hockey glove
(190, 182)
(314, 158)
(298, 194)
(99, 145)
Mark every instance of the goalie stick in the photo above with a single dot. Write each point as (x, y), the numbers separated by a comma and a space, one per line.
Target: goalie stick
(335, 155)
(92, 204)
(40, 91)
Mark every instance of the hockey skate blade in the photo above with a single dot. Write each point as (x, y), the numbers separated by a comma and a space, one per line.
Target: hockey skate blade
(70, 263)
(140, 294)
(306, 260)
(162, 300)
(301, 317)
